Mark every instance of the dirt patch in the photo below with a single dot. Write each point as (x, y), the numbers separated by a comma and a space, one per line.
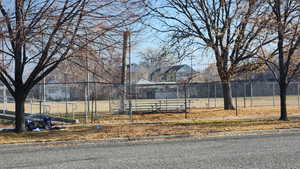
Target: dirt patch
(5, 125)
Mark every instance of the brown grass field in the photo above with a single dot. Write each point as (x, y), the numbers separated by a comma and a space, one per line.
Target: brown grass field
(197, 103)
(200, 109)
(186, 127)
(199, 120)
(198, 114)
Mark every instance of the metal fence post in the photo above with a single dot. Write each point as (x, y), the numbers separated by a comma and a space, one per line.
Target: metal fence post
(136, 95)
(30, 106)
(73, 115)
(245, 94)
(298, 90)
(167, 102)
(109, 99)
(215, 95)
(208, 95)
(4, 100)
(96, 100)
(236, 101)
(273, 87)
(86, 103)
(66, 99)
(251, 94)
(177, 91)
(236, 105)
(40, 106)
(92, 109)
(185, 106)
(44, 96)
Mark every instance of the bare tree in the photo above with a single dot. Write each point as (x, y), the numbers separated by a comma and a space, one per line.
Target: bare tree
(230, 29)
(104, 64)
(284, 61)
(157, 57)
(39, 35)
(210, 74)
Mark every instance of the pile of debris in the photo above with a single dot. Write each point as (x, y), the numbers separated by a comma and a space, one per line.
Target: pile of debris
(39, 122)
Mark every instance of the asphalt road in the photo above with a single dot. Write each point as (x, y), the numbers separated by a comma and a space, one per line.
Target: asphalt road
(277, 151)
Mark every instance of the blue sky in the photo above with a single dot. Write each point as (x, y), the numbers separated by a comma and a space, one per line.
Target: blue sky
(150, 38)
(153, 39)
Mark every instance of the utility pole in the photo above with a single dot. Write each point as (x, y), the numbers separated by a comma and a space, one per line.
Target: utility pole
(87, 86)
(44, 79)
(129, 76)
(123, 78)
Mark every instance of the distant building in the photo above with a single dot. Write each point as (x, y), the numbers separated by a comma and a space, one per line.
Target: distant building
(171, 73)
(157, 90)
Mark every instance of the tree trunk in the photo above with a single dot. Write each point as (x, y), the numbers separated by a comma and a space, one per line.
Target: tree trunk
(283, 65)
(227, 96)
(283, 111)
(20, 118)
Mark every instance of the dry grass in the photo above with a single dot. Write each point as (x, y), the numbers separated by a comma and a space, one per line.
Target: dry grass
(201, 114)
(195, 114)
(258, 111)
(146, 129)
(104, 105)
(159, 124)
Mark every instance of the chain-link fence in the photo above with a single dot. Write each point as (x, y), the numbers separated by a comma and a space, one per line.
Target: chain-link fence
(95, 101)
